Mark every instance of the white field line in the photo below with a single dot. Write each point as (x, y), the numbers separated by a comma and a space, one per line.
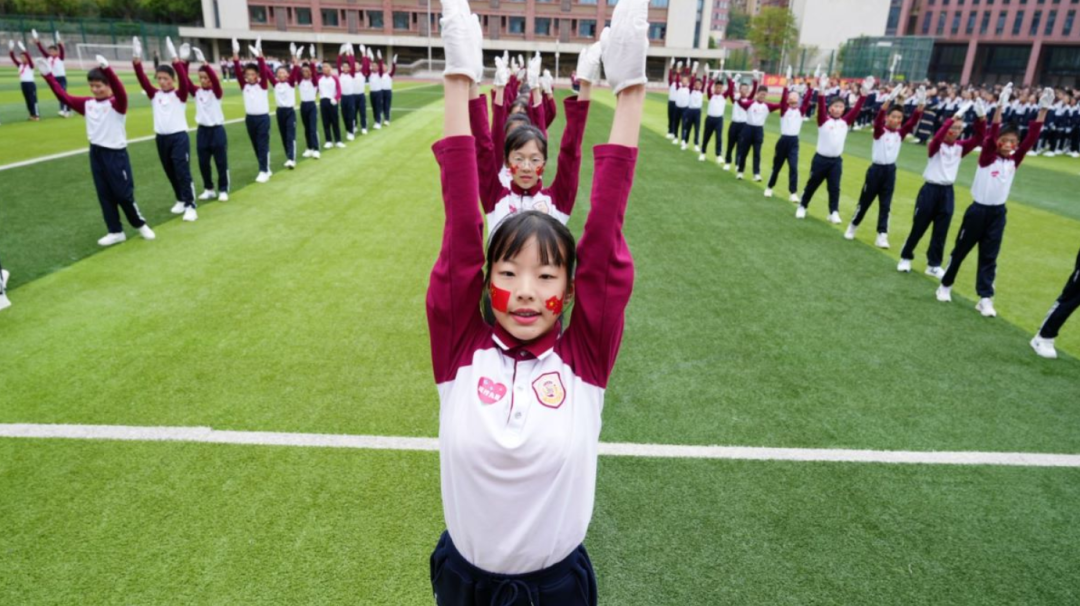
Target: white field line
(745, 453)
(83, 150)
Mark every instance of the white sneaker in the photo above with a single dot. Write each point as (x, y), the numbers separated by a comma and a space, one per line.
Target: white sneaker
(720, 162)
(1049, 154)
(208, 195)
(834, 218)
(727, 167)
(191, 214)
(328, 145)
(377, 127)
(386, 122)
(904, 266)
(937, 272)
(340, 145)
(795, 198)
(882, 241)
(316, 155)
(670, 136)
(350, 137)
(223, 197)
(768, 193)
(262, 178)
(800, 212)
(757, 178)
(684, 146)
(363, 132)
(5, 275)
(1074, 155)
(697, 148)
(701, 158)
(290, 164)
(147, 233)
(111, 239)
(675, 141)
(178, 208)
(1044, 347)
(738, 176)
(4, 301)
(307, 153)
(850, 233)
(985, 306)
(944, 293)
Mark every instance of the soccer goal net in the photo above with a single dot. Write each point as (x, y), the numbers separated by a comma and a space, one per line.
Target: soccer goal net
(114, 53)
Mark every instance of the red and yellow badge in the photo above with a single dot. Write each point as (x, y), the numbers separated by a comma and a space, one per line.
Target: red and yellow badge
(554, 305)
(549, 389)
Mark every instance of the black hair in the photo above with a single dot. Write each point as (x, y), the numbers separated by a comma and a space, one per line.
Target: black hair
(896, 108)
(1009, 129)
(523, 101)
(251, 67)
(556, 244)
(97, 75)
(837, 99)
(517, 120)
(53, 47)
(166, 69)
(521, 136)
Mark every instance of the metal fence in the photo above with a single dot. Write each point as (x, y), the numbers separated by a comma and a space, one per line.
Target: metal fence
(888, 58)
(85, 31)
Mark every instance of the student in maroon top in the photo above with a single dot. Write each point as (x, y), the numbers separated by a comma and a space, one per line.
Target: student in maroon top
(515, 529)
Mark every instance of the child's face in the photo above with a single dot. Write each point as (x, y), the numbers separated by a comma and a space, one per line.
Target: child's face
(1007, 144)
(836, 110)
(282, 74)
(894, 120)
(685, 81)
(204, 80)
(100, 90)
(326, 69)
(54, 52)
(534, 289)
(793, 100)
(305, 72)
(699, 85)
(744, 89)
(955, 131)
(251, 76)
(346, 68)
(526, 165)
(165, 81)
(761, 94)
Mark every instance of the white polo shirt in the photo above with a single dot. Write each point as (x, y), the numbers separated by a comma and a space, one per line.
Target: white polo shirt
(791, 122)
(682, 97)
(832, 135)
(717, 104)
(170, 113)
(208, 110)
(285, 94)
(308, 92)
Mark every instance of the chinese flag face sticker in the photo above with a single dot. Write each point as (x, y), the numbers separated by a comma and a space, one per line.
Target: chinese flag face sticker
(555, 305)
(500, 299)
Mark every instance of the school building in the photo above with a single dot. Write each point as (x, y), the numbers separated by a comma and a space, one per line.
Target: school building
(677, 28)
(976, 41)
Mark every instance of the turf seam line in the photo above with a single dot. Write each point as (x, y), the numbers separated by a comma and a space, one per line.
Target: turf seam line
(615, 449)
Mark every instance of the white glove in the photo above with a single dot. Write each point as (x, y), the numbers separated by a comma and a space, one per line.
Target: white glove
(292, 49)
(980, 108)
(311, 51)
(1047, 98)
(21, 47)
(235, 47)
(547, 82)
(625, 45)
(43, 66)
(823, 83)
(341, 49)
(920, 96)
(11, 45)
(299, 52)
(462, 40)
(185, 51)
(502, 70)
(378, 54)
(254, 51)
(964, 107)
(790, 72)
(693, 69)
(394, 60)
(199, 56)
(678, 66)
(817, 72)
(136, 48)
(520, 61)
(673, 63)
(258, 45)
(533, 73)
(170, 47)
(363, 50)
(56, 35)
(868, 84)
(898, 92)
(102, 63)
(588, 64)
(33, 33)
(1006, 94)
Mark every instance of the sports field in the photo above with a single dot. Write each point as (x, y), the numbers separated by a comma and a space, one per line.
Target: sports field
(298, 307)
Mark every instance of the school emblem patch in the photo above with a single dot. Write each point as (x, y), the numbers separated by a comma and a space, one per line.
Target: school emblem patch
(549, 389)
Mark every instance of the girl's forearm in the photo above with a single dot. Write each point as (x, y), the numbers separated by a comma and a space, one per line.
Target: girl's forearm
(629, 107)
(456, 115)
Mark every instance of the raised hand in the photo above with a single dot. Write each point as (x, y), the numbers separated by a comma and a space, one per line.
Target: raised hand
(170, 47)
(920, 96)
(588, 64)
(185, 51)
(136, 49)
(102, 63)
(790, 73)
(235, 47)
(963, 109)
(311, 51)
(1047, 98)
(199, 55)
(21, 46)
(1006, 94)
(980, 108)
(43, 66)
(292, 49)
(462, 39)
(33, 33)
(625, 44)
(533, 72)
(868, 84)
(502, 70)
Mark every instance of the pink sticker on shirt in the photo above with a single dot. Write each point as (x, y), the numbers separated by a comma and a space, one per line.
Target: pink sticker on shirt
(489, 391)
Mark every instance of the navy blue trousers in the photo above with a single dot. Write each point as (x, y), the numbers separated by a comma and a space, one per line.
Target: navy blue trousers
(258, 128)
(361, 110)
(734, 133)
(933, 206)
(713, 124)
(751, 136)
(211, 143)
(29, 91)
(309, 115)
(456, 582)
(983, 226)
(376, 105)
(348, 113)
(330, 124)
(62, 81)
(115, 186)
(1064, 306)
(672, 121)
(175, 153)
(787, 152)
(387, 101)
(880, 183)
(286, 123)
(691, 120)
(824, 169)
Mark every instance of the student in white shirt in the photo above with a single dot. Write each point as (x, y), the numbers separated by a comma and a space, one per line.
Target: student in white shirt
(25, 65)
(255, 85)
(55, 55)
(211, 140)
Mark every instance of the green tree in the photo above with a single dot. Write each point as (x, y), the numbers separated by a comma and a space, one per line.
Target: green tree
(738, 26)
(773, 32)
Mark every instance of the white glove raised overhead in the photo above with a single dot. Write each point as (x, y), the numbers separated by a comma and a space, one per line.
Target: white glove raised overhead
(235, 47)
(868, 84)
(43, 66)
(136, 48)
(502, 70)
(1006, 94)
(588, 64)
(1047, 98)
(694, 68)
(292, 49)
(462, 40)
(817, 72)
(823, 82)
(21, 47)
(33, 33)
(199, 56)
(311, 51)
(258, 45)
(299, 52)
(254, 51)
(964, 107)
(625, 44)
(533, 72)
(185, 51)
(521, 61)
(101, 61)
(789, 74)
(56, 35)
(11, 45)
(920, 96)
(171, 48)
(378, 54)
(394, 60)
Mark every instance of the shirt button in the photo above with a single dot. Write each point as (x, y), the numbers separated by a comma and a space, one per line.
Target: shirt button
(517, 415)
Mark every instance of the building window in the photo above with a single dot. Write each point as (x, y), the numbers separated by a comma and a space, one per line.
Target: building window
(329, 17)
(1000, 29)
(1036, 20)
(517, 25)
(303, 16)
(1069, 19)
(542, 26)
(1051, 20)
(657, 31)
(587, 28)
(1018, 24)
(971, 23)
(956, 24)
(586, 1)
(401, 20)
(375, 19)
(926, 23)
(257, 14)
(941, 23)
(658, 3)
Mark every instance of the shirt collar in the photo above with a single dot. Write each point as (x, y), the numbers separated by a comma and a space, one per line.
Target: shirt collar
(538, 349)
(535, 189)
